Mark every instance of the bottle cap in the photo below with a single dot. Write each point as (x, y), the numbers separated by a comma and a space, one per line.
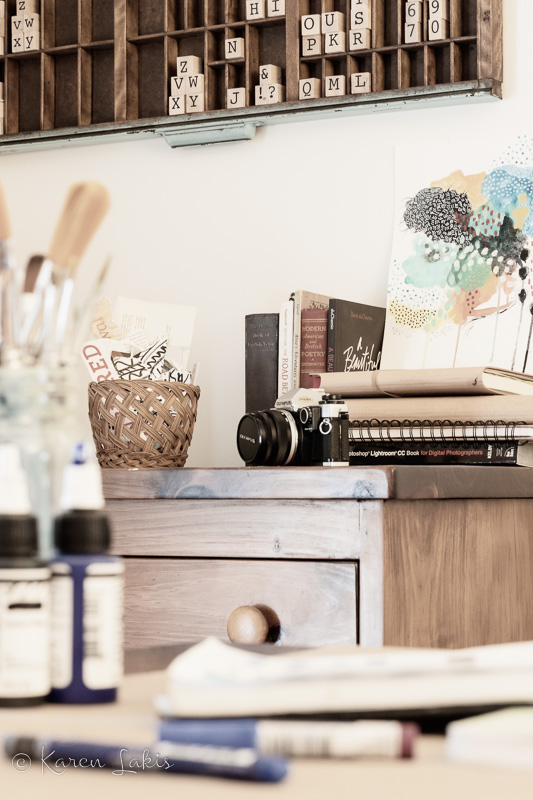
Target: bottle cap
(83, 528)
(82, 532)
(18, 536)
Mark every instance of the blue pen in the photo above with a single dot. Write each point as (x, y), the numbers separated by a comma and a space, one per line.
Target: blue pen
(54, 756)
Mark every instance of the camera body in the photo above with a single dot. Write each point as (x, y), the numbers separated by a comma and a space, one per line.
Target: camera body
(305, 428)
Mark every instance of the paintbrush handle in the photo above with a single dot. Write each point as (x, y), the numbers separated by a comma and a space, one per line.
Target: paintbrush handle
(5, 222)
(84, 209)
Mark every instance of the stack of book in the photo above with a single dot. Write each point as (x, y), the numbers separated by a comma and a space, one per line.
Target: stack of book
(467, 415)
(312, 333)
(216, 681)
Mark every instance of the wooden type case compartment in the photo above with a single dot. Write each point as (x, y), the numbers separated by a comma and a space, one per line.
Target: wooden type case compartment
(105, 68)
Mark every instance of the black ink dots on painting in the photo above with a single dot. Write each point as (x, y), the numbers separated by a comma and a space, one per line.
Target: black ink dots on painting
(510, 241)
(440, 213)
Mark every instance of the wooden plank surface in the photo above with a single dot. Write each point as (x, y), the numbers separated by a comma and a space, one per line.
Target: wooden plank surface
(321, 483)
(448, 482)
(318, 529)
(458, 573)
(169, 601)
(314, 483)
(490, 39)
(370, 602)
(131, 721)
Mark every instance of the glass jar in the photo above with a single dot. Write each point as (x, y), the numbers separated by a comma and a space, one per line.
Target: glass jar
(38, 413)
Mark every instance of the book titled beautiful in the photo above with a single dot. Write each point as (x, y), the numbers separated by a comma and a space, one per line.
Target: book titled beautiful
(355, 336)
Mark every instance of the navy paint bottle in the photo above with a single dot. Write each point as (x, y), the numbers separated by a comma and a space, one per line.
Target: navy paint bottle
(87, 647)
(24, 592)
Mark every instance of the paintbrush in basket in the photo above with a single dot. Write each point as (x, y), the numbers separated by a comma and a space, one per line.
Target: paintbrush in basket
(85, 207)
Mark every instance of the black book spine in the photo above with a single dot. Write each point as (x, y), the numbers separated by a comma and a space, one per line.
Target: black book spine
(261, 335)
(445, 452)
(330, 356)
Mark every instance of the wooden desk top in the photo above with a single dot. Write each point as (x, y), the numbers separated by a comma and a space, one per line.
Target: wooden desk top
(321, 483)
(132, 722)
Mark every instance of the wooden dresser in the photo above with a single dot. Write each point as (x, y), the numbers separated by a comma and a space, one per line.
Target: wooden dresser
(419, 556)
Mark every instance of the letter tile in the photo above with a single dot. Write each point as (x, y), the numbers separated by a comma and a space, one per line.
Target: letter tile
(269, 94)
(335, 42)
(189, 65)
(236, 98)
(437, 28)
(335, 85)
(312, 45)
(269, 73)
(309, 88)
(234, 48)
(178, 85)
(361, 18)
(17, 44)
(413, 11)
(311, 24)
(255, 9)
(361, 82)
(32, 41)
(176, 105)
(360, 39)
(332, 21)
(195, 84)
(412, 32)
(194, 103)
(276, 8)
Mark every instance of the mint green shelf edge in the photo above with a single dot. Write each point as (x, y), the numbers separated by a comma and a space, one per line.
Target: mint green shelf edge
(226, 126)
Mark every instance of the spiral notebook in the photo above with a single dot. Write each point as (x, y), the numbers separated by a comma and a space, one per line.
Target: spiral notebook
(395, 430)
(436, 414)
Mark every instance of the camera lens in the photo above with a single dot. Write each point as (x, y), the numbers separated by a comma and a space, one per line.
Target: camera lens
(267, 438)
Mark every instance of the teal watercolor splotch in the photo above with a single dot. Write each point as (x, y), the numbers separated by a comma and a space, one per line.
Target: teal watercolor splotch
(430, 263)
(504, 187)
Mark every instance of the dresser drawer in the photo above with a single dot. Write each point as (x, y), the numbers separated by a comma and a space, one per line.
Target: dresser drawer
(169, 601)
(315, 529)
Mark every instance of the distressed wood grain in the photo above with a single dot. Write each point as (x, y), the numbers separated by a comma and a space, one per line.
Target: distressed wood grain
(169, 601)
(314, 483)
(316, 529)
(458, 573)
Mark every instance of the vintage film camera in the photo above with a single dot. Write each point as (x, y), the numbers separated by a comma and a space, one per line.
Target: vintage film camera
(305, 428)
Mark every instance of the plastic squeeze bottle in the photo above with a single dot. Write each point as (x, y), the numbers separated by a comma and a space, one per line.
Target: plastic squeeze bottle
(87, 592)
(24, 592)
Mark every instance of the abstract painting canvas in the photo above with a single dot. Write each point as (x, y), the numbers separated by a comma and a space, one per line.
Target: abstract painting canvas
(460, 281)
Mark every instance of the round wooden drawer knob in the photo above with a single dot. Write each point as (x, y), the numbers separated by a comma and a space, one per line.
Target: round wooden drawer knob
(247, 625)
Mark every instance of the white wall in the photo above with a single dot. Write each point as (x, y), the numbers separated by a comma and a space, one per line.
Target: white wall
(234, 228)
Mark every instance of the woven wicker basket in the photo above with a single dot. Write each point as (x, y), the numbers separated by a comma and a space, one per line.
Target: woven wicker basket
(144, 424)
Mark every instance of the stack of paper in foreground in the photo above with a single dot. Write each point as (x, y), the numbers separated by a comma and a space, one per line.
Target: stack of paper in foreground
(214, 682)
(463, 415)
